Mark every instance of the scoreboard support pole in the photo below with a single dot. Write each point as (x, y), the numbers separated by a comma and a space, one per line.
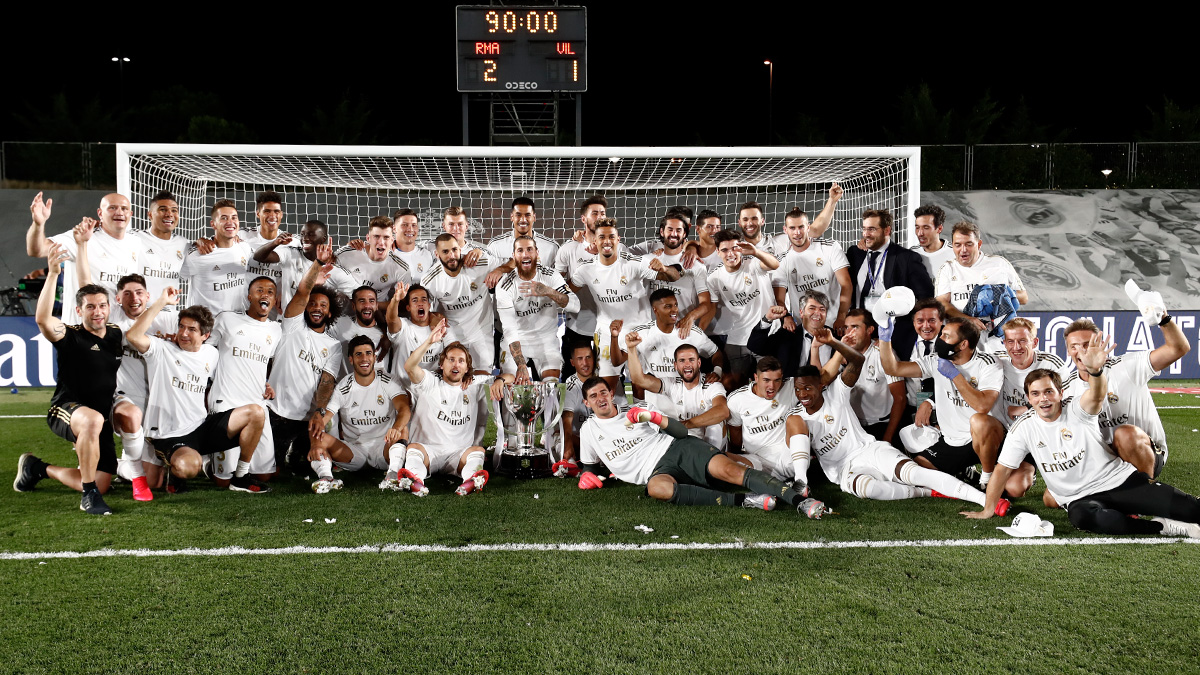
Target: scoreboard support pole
(578, 120)
(466, 120)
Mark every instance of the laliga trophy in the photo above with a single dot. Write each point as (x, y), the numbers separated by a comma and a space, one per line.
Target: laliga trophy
(522, 458)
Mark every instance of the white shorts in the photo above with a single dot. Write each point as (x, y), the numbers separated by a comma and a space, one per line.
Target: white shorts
(545, 355)
(778, 464)
(604, 364)
(483, 353)
(442, 458)
(877, 459)
(369, 454)
(122, 398)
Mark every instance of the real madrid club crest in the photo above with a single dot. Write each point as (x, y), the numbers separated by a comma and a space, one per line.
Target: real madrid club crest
(820, 263)
(1066, 434)
(420, 267)
(243, 261)
(828, 419)
(747, 277)
(774, 403)
(474, 286)
(133, 256)
(379, 399)
(205, 366)
(324, 352)
(871, 371)
(974, 382)
(383, 278)
(466, 400)
(268, 339)
(1112, 397)
(179, 254)
(624, 280)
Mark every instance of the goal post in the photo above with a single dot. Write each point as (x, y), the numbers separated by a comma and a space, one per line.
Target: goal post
(344, 186)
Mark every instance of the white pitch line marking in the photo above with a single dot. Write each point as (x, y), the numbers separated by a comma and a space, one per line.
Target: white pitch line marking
(581, 547)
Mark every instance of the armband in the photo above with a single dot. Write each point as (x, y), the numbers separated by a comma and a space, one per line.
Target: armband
(717, 371)
(1165, 320)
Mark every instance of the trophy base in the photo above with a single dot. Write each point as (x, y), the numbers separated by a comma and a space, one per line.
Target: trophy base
(535, 465)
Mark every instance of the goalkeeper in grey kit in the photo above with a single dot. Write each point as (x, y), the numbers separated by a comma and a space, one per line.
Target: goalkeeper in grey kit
(674, 466)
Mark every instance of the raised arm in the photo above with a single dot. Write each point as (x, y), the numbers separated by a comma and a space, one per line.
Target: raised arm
(821, 223)
(765, 260)
(647, 381)
(1094, 360)
(854, 359)
(887, 357)
(82, 235)
(412, 366)
(1174, 347)
(666, 272)
(52, 328)
(316, 273)
(136, 335)
(266, 253)
(36, 243)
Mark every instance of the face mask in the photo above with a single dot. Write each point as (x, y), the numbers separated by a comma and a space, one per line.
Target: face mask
(944, 349)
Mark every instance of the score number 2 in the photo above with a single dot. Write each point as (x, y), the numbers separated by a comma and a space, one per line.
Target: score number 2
(491, 68)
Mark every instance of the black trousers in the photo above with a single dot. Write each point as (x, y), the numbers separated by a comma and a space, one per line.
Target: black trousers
(1108, 512)
(288, 432)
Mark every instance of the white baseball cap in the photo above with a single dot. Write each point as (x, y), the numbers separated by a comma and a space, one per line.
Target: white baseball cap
(1029, 524)
(895, 301)
(917, 438)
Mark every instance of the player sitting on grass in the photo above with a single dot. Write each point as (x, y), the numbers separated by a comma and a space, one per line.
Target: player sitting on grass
(1099, 490)
(445, 408)
(675, 467)
(825, 421)
(373, 415)
(89, 355)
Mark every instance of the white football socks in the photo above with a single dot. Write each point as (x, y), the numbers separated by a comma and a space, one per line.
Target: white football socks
(323, 467)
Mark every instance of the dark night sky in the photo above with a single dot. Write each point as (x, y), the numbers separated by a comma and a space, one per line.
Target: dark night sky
(657, 77)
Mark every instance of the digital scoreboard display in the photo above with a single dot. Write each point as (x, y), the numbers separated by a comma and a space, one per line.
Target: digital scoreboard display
(509, 48)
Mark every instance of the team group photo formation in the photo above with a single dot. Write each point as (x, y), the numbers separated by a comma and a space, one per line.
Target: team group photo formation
(724, 361)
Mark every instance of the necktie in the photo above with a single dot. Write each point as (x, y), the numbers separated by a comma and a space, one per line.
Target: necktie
(927, 383)
(866, 289)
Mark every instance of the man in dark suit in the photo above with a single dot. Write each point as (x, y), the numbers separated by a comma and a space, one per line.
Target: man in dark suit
(884, 264)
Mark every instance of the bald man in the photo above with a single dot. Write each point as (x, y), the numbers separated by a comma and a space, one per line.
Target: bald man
(112, 251)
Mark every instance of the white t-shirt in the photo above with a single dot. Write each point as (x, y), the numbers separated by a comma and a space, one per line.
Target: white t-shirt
(355, 268)
(406, 342)
(683, 404)
(272, 270)
(959, 281)
(573, 403)
(629, 453)
(109, 260)
(178, 380)
(570, 256)
(619, 289)
(303, 354)
(420, 262)
(501, 248)
(742, 296)
(531, 320)
(464, 298)
(1070, 453)
(813, 268)
(365, 413)
(692, 282)
(762, 420)
(1128, 400)
(870, 396)
(953, 411)
(934, 261)
(292, 267)
(131, 377)
(835, 433)
(246, 346)
(444, 415)
(657, 349)
(218, 280)
(345, 329)
(159, 261)
(1013, 392)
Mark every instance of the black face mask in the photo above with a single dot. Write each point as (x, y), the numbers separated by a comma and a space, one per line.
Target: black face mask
(944, 349)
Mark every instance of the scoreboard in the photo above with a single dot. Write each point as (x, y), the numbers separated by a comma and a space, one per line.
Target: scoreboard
(513, 48)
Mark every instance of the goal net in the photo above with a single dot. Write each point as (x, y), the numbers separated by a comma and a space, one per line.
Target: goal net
(344, 186)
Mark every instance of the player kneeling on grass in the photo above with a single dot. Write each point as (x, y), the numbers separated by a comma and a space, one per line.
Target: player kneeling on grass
(445, 404)
(850, 457)
(373, 413)
(675, 467)
(176, 418)
(1099, 489)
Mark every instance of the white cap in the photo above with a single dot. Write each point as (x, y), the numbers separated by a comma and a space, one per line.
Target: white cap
(1029, 524)
(895, 301)
(917, 438)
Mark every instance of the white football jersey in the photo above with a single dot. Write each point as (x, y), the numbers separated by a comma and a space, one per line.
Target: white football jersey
(1013, 392)
(934, 261)
(109, 260)
(464, 298)
(218, 280)
(834, 430)
(1070, 452)
(573, 402)
(692, 282)
(406, 342)
(246, 346)
(620, 289)
(444, 414)
(292, 267)
(762, 420)
(365, 412)
(744, 298)
(530, 320)
(345, 329)
(959, 281)
(420, 262)
(814, 268)
(629, 453)
(178, 380)
(571, 255)
(501, 248)
(683, 404)
(131, 377)
(657, 349)
(303, 354)
(953, 411)
(1128, 400)
(159, 261)
(870, 396)
(355, 268)
(272, 270)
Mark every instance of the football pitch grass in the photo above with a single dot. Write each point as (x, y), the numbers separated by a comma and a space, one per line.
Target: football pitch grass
(443, 583)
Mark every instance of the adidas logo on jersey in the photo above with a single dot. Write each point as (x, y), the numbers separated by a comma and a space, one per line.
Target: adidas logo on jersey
(95, 348)
(216, 268)
(1041, 444)
(240, 333)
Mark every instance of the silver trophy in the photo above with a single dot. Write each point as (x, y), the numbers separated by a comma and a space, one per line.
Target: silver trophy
(523, 457)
